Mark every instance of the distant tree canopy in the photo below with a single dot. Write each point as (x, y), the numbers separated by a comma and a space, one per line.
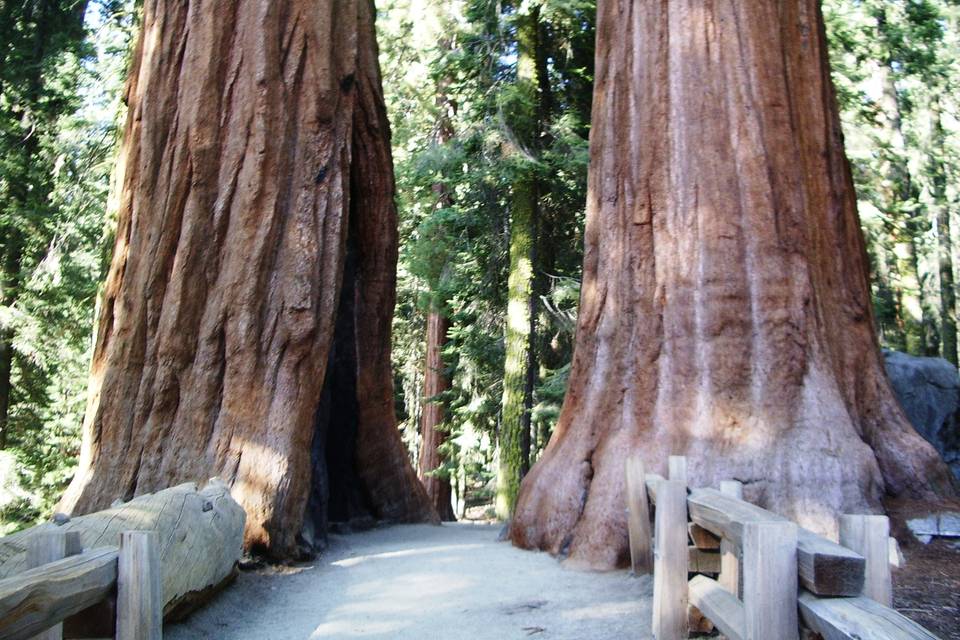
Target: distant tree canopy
(60, 78)
(460, 251)
(897, 70)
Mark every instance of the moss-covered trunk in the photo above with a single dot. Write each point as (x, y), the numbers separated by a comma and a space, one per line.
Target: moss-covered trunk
(519, 373)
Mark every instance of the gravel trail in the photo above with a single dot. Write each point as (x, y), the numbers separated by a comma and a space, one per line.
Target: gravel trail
(425, 582)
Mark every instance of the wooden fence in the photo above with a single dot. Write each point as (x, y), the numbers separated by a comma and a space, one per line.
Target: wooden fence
(66, 581)
(757, 575)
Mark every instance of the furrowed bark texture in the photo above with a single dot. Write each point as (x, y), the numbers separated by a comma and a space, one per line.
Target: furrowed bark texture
(725, 310)
(256, 139)
(435, 382)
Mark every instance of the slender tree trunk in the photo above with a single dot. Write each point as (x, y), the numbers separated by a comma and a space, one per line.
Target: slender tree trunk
(887, 309)
(948, 293)
(520, 358)
(6, 369)
(8, 297)
(904, 223)
(725, 311)
(256, 242)
(435, 382)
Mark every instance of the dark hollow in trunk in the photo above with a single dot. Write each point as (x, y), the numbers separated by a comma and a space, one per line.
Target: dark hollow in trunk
(337, 495)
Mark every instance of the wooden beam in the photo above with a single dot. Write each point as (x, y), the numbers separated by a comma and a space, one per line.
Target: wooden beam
(45, 548)
(677, 469)
(717, 605)
(770, 581)
(869, 536)
(857, 619)
(825, 567)
(670, 563)
(35, 600)
(729, 553)
(653, 481)
(733, 488)
(703, 539)
(638, 518)
(697, 623)
(700, 561)
(139, 589)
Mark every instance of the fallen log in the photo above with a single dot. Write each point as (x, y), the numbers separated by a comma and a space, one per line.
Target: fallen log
(200, 535)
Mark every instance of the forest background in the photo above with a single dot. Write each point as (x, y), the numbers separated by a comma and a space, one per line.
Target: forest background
(490, 108)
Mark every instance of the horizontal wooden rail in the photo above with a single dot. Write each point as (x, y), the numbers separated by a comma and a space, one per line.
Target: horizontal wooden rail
(700, 561)
(718, 605)
(35, 600)
(758, 557)
(653, 481)
(825, 567)
(857, 619)
(702, 538)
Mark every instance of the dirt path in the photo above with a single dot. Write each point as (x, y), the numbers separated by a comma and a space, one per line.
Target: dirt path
(426, 582)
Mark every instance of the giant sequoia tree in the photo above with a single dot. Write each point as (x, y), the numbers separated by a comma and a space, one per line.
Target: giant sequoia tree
(245, 323)
(725, 310)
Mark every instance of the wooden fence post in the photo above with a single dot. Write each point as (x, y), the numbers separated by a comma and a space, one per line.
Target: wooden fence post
(50, 546)
(677, 469)
(670, 562)
(638, 518)
(770, 580)
(729, 577)
(139, 589)
(869, 536)
(43, 548)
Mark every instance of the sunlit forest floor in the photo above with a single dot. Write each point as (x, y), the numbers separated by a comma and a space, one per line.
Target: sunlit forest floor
(420, 581)
(457, 581)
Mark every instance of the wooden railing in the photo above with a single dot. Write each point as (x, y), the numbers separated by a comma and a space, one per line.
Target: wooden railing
(67, 581)
(758, 576)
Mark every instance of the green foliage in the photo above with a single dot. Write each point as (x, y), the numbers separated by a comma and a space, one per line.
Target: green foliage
(463, 140)
(895, 68)
(59, 114)
(467, 129)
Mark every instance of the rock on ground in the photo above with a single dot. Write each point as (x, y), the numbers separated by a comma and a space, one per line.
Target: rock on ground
(422, 581)
(929, 392)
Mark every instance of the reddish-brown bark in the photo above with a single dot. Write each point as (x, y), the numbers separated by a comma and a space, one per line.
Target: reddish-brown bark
(435, 382)
(256, 143)
(725, 310)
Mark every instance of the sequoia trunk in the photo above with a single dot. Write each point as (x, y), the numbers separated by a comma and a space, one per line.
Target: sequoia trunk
(435, 382)
(725, 310)
(255, 159)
